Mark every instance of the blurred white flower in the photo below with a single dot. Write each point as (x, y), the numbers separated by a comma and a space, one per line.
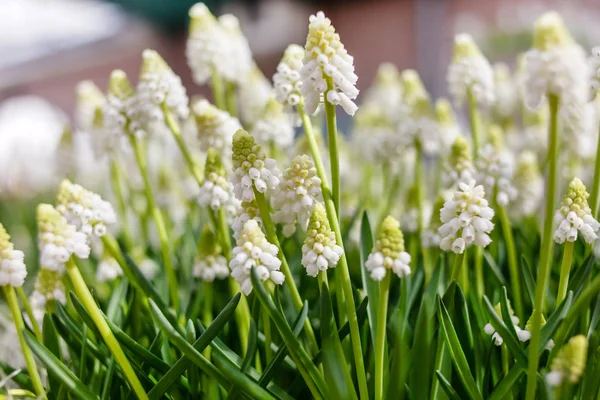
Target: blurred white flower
(388, 252)
(274, 127)
(320, 250)
(108, 270)
(575, 216)
(12, 267)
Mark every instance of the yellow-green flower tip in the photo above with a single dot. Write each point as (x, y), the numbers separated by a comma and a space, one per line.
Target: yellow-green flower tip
(501, 72)
(465, 47)
(436, 220)
(119, 86)
(200, 18)
(412, 200)
(571, 359)
(496, 135)
(387, 75)
(550, 32)
(90, 97)
(213, 164)
(529, 324)
(414, 92)
(208, 244)
(273, 108)
(498, 309)
(460, 151)
(576, 197)
(5, 244)
(444, 112)
(152, 63)
(245, 150)
(319, 225)
(391, 240)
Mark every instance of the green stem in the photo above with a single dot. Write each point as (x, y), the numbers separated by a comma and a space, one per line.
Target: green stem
(29, 311)
(596, 183)
(34, 374)
(342, 273)
(475, 122)
(565, 268)
(230, 98)
(384, 291)
(513, 265)
(545, 250)
(419, 181)
(334, 159)
(207, 316)
(187, 156)
(479, 283)
(158, 220)
(268, 337)
(457, 266)
(265, 215)
(86, 298)
(117, 184)
(218, 91)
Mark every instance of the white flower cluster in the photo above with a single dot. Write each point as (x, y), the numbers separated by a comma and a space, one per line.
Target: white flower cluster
(320, 250)
(120, 109)
(274, 127)
(247, 211)
(88, 110)
(57, 239)
(237, 50)
(466, 219)
(374, 136)
(495, 172)
(569, 364)
(325, 58)
(159, 87)
(388, 252)
(430, 237)
(594, 62)
(12, 267)
(296, 195)
(506, 93)
(529, 184)
(459, 167)
(579, 123)
(470, 73)
(447, 125)
(215, 127)
(252, 170)
(84, 209)
(489, 329)
(286, 80)
(254, 92)
(254, 251)
(49, 287)
(555, 65)
(216, 191)
(108, 270)
(210, 263)
(575, 216)
(385, 93)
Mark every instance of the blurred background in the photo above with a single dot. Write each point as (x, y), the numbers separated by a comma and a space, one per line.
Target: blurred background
(48, 46)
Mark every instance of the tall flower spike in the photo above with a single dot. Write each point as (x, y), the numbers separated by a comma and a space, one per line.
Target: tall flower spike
(326, 58)
(246, 212)
(296, 195)
(447, 125)
(287, 79)
(251, 168)
(489, 329)
(555, 65)
(210, 263)
(388, 252)
(575, 215)
(506, 93)
(49, 287)
(206, 47)
(385, 93)
(159, 88)
(253, 250)
(239, 57)
(84, 209)
(108, 270)
(12, 266)
(89, 107)
(254, 92)
(215, 127)
(529, 184)
(430, 237)
(470, 72)
(467, 219)
(320, 250)
(57, 239)
(595, 69)
(216, 191)
(569, 363)
(120, 109)
(274, 127)
(460, 167)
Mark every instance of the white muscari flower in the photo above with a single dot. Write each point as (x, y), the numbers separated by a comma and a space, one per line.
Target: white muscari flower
(467, 219)
(385, 93)
(253, 250)
(215, 127)
(252, 170)
(12, 267)
(410, 213)
(374, 136)
(210, 263)
(254, 92)
(298, 192)
(216, 191)
(84, 209)
(555, 65)
(89, 108)
(579, 122)
(529, 184)
(470, 73)
(388, 252)
(207, 46)
(447, 125)
(495, 171)
(430, 237)
(108, 270)
(286, 79)
(247, 211)
(149, 268)
(489, 329)
(57, 239)
(10, 350)
(325, 58)
(320, 250)
(525, 334)
(159, 90)
(237, 50)
(120, 111)
(594, 62)
(506, 93)
(49, 287)
(575, 216)
(274, 127)
(459, 167)
(569, 364)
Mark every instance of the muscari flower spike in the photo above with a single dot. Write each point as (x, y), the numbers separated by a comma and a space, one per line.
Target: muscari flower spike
(388, 252)
(252, 170)
(470, 73)
(529, 184)
(274, 127)
(215, 127)
(253, 250)
(120, 110)
(569, 363)
(89, 107)
(525, 334)
(385, 93)
(467, 219)
(447, 124)
(84, 209)
(460, 166)
(254, 92)
(298, 192)
(49, 287)
(506, 93)
(237, 50)
(247, 211)
(325, 58)
(210, 263)
(430, 237)
(320, 250)
(489, 329)
(374, 135)
(108, 270)
(12, 267)
(287, 80)
(410, 214)
(57, 239)
(216, 191)
(595, 69)
(575, 216)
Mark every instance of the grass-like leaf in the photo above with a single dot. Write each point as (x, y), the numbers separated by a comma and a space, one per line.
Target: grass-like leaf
(370, 286)
(447, 386)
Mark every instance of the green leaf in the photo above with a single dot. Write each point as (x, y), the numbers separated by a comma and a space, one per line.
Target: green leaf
(500, 327)
(370, 286)
(494, 267)
(581, 277)
(193, 373)
(447, 386)
(249, 357)
(421, 358)
(503, 389)
(58, 369)
(53, 345)
(457, 355)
